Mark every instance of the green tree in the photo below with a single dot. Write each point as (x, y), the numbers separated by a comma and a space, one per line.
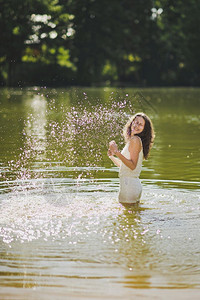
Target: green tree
(178, 42)
(138, 42)
(32, 29)
(15, 28)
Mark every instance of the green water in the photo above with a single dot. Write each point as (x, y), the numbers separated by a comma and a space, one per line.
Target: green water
(62, 231)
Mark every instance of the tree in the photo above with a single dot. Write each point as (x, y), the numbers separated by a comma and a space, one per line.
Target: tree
(138, 42)
(25, 23)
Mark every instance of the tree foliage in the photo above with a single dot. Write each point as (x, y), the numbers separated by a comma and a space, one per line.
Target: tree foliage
(60, 42)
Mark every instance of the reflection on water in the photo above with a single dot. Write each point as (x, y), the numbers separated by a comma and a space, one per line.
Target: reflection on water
(61, 225)
(35, 126)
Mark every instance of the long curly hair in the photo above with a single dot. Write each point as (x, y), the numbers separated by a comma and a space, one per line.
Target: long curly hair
(147, 135)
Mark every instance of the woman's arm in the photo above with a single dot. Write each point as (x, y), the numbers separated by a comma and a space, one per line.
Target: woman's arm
(116, 160)
(134, 149)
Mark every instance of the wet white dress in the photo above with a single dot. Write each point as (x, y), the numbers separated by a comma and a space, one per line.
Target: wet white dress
(130, 185)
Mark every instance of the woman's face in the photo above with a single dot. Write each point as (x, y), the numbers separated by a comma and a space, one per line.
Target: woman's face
(137, 125)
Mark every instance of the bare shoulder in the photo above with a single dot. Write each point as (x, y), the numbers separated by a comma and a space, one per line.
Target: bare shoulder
(135, 143)
(135, 140)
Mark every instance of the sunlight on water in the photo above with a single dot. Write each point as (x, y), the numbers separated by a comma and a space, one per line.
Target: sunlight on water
(61, 225)
(79, 138)
(86, 213)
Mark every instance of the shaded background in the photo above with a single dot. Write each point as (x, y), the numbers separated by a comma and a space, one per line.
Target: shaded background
(93, 42)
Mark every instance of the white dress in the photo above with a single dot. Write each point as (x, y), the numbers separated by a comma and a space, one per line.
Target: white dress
(130, 185)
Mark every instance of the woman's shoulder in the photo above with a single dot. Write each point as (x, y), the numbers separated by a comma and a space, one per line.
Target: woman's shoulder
(136, 141)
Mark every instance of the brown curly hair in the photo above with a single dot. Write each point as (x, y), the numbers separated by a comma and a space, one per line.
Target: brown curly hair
(147, 135)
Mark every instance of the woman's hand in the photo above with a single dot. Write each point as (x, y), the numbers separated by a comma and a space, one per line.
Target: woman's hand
(113, 147)
(112, 151)
(109, 153)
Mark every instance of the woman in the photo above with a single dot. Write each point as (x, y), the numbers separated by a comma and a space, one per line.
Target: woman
(139, 137)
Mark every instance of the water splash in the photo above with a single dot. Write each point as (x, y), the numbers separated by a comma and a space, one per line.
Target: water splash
(68, 135)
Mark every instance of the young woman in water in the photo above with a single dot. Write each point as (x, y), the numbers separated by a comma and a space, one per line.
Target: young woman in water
(139, 137)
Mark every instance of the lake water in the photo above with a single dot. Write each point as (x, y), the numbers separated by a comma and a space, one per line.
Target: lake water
(63, 234)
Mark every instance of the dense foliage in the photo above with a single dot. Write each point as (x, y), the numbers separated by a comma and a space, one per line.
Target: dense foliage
(95, 42)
